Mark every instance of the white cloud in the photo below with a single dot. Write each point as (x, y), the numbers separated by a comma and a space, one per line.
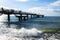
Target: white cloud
(44, 11)
(48, 11)
(22, 0)
(5, 7)
(25, 0)
(1, 1)
(41, 10)
(34, 0)
(57, 3)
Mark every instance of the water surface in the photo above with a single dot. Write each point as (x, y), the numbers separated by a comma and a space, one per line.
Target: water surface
(31, 29)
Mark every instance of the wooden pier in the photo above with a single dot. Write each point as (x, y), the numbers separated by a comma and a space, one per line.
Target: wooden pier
(18, 14)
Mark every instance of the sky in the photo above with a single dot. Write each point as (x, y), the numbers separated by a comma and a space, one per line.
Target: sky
(45, 7)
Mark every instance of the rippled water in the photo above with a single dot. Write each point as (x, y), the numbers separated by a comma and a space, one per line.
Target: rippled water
(30, 29)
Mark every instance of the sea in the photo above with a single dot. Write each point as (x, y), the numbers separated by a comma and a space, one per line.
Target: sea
(46, 28)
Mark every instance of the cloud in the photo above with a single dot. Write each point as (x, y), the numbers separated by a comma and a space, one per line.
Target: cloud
(1, 1)
(22, 0)
(53, 9)
(44, 11)
(40, 10)
(34, 0)
(57, 3)
(25, 0)
(14, 8)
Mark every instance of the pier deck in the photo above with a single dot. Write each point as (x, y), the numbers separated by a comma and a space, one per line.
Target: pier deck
(18, 14)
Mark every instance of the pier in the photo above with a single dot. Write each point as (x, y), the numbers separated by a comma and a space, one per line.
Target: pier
(19, 14)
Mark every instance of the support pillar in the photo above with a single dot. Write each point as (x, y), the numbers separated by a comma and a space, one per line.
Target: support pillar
(42, 16)
(31, 16)
(8, 17)
(27, 16)
(24, 18)
(38, 16)
(21, 16)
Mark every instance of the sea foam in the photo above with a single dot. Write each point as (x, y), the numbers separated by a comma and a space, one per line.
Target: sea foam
(18, 34)
(23, 34)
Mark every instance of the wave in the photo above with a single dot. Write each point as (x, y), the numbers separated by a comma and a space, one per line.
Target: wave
(11, 33)
(24, 34)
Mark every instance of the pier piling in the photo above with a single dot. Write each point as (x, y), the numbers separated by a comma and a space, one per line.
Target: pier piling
(20, 13)
(8, 17)
(31, 16)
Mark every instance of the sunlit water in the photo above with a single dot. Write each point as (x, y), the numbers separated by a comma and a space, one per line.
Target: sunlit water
(28, 30)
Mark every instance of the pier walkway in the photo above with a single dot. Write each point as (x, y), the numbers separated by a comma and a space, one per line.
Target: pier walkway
(19, 14)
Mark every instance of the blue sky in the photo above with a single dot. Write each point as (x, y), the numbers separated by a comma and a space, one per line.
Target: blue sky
(27, 3)
(49, 7)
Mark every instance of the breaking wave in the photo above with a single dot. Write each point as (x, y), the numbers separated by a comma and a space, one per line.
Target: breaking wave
(17, 34)
(23, 34)
(7, 33)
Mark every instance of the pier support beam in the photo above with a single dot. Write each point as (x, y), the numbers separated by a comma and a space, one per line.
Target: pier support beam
(8, 17)
(27, 16)
(24, 18)
(31, 16)
(42, 16)
(20, 16)
(38, 16)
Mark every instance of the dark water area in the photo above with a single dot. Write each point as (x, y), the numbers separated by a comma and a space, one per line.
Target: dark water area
(46, 22)
(31, 29)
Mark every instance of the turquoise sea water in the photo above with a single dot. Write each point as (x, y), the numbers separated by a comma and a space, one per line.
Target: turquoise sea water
(46, 22)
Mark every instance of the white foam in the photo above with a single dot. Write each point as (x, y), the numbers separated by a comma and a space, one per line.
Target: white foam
(9, 33)
(20, 34)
